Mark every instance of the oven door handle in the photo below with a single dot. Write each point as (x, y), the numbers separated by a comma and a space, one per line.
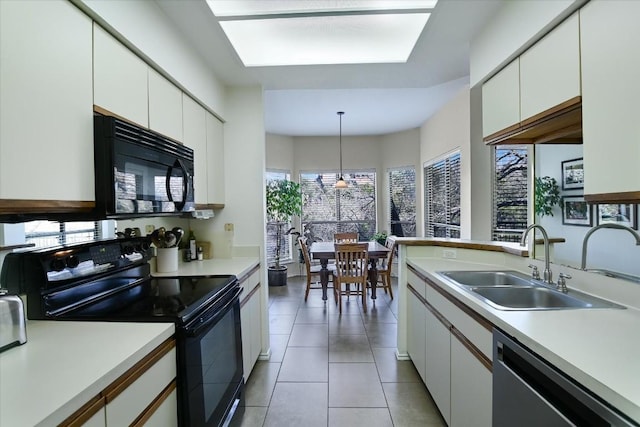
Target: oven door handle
(185, 183)
(201, 323)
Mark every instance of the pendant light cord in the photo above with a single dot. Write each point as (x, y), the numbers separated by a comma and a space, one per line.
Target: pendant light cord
(340, 113)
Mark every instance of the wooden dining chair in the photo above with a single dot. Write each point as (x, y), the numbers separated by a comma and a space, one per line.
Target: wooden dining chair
(384, 269)
(352, 267)
(345, 238)
(313, 270)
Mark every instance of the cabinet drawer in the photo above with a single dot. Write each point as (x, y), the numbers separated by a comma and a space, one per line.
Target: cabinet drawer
(128, 397)
(416, 283)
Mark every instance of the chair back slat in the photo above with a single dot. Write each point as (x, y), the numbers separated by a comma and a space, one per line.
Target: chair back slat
(345, 237)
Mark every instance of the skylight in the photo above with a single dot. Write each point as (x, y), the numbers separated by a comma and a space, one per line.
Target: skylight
(288, 32)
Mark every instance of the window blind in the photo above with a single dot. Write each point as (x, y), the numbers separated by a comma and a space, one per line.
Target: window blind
(402, 202)
(442, 197)
(326, 211)
(510, 189)
(50, 233)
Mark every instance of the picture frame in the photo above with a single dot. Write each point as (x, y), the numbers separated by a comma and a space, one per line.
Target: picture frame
(573, 174)
(624, 214)
(576, 211)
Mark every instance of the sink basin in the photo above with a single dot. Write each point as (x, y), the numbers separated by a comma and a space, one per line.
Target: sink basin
(512, 290)
(488, 278)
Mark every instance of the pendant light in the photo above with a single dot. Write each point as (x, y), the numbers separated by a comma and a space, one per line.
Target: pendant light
(341, 183)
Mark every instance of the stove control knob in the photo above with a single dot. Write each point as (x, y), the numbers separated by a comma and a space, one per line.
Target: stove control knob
(128, 249)
(58, 264)
(72, 261)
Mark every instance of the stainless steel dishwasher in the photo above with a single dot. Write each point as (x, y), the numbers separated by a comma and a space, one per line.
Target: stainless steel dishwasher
(528, 391)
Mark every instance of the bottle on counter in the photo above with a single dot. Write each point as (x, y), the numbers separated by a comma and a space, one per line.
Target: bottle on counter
(200, 253)
(192, 244)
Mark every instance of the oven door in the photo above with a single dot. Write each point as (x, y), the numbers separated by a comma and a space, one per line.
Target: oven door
(210, 375)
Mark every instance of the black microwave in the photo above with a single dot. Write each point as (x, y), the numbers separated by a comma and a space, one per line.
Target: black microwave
(139, 172)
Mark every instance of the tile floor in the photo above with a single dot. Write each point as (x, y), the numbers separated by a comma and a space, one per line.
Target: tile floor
(328, 369)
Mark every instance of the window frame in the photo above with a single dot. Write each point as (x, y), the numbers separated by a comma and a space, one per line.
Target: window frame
(514, 233)
(402, 223)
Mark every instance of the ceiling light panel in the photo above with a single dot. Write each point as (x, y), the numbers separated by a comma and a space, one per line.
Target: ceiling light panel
(344, 39)
(226, 8)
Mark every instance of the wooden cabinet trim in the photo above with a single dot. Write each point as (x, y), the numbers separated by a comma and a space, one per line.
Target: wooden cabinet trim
(244, 277)
(559, 124)
(431, 308)
(84, 414)
(475, 351)
(471, 313)
(135, 372)
(24, 206)
(154, 405)
(210, 206)
(21, 246)
(626, 197)
(246, 299)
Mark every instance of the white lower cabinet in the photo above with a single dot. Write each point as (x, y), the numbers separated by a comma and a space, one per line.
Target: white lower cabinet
(416, 332)
(250, 320)
(439, 363)
(453, 366)
(471, 388)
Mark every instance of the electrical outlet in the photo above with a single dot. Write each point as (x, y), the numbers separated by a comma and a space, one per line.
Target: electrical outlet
(149, 228)
(449, 253)
(228, 227)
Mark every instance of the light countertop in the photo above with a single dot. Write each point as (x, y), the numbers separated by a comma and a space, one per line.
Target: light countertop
(65, 364)
(599, 348)
(238, 266)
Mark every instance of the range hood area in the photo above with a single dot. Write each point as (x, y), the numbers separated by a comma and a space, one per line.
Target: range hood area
(560, 124)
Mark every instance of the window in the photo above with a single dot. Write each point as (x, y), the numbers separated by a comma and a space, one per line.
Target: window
(509, 193)
(49, 233)
(402, 201)
(326, 211)
(442, 197)
(272, 227)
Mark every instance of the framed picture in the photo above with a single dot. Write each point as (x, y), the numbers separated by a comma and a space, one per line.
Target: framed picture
(625, 214)
(573, 174)
(575, 211)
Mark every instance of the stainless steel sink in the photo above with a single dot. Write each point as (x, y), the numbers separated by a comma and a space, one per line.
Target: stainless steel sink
(512, 290)
(488, 278)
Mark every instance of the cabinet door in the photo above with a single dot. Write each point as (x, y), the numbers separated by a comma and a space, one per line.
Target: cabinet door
(256, 330)
(215, 160)
(165, 415)
(438, 376)
(46, 119)
(609, 37)
(501, 100)
(550, 70)
(195, 137)
(471, 388)
(165, 106)
(416, 345)
(120, 81)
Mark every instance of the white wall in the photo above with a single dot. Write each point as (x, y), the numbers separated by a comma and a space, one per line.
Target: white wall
(516, 26)
(609, 249)
(481, 174)
(146, 28)
(446, 131)
(279, 153)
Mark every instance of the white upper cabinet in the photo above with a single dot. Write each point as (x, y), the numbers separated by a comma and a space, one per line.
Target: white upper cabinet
(195, 137)
(46, 118)
(120, 82)
(501, 100)
(550, 70)
(610, 47)
(215, 161)
(165, 106)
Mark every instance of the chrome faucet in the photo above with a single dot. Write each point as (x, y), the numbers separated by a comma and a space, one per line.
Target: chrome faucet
(546, 274)
(583, 265)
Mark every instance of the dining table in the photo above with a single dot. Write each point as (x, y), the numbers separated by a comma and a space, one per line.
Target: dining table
(326, 251)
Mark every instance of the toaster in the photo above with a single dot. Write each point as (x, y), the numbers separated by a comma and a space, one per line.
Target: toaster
(13, 329)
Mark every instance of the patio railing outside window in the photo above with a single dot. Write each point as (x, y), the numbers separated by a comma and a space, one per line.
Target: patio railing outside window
(272, 227)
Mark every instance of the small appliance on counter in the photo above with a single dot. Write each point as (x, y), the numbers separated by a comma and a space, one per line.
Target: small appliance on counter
(13, 329)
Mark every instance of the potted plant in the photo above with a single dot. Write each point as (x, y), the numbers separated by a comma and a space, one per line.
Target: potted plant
(284, 200)
(380, 237)
(546, 195)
